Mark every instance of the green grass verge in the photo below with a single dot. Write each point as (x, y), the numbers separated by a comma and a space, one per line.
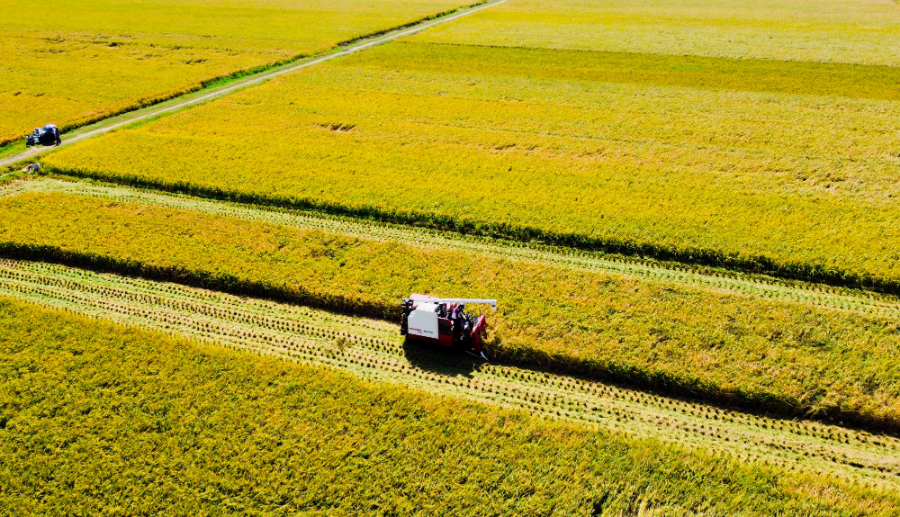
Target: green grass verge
(98, 418)
(9, 176)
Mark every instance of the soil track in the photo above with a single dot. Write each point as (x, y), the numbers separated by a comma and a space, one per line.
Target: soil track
(373, 349)
(818, 295)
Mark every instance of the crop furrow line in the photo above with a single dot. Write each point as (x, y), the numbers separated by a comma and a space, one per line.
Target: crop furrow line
(374, 351)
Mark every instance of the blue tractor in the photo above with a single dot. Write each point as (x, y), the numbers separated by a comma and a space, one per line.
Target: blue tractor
(47, 135)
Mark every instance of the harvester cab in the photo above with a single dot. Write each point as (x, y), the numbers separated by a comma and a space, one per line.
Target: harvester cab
(47, 135)
(444, 322)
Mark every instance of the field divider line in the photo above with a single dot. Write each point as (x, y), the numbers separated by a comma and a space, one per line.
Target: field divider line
(374, 350)
(85, 132)
(760, 286)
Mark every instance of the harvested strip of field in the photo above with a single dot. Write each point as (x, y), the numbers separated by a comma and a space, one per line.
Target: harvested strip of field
(77, 62)
(793, 184)
(693, 339)
(374, 350)
(99, 416)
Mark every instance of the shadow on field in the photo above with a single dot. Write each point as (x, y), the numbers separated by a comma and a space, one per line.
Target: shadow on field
(440, 360)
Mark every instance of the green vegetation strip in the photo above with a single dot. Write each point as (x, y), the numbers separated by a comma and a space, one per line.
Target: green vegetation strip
(373, 350)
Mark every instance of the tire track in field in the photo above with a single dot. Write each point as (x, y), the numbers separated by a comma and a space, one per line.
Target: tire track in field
(761, 286)
(373, 349)
(191, 99)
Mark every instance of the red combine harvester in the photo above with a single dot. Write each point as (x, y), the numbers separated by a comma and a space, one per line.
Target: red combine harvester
(445, 322)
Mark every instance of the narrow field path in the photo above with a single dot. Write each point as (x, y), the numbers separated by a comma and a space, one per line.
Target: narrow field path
(817, 295)
(207, 95)
(374, 350)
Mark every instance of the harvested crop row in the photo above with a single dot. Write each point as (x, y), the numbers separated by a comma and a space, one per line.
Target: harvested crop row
(759, 353)
(823, 296)
(228, 430)
(373, 350)
(474, 139)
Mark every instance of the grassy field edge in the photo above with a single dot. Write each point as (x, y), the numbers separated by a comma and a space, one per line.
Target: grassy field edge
(689, 387)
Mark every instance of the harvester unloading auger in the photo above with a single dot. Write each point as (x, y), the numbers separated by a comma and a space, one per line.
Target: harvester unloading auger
(445, 322)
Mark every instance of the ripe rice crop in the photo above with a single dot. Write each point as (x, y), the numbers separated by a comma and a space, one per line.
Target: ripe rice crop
(837, 31)
(373, 350)
(712, 162)
(862, 302)
(76, 62)
(216, 429)
(757, 352)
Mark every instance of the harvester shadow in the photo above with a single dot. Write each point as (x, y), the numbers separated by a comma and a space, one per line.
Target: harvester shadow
(440, 360)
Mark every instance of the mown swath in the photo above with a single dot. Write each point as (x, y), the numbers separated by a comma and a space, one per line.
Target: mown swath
(373, 349)
(854, 300)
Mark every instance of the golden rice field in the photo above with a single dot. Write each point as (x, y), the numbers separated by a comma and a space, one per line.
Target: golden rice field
(789, 354)
(373, 350)
(191, 428)
(72, 63)
(837, 31)
(687, 211)
(781, 167)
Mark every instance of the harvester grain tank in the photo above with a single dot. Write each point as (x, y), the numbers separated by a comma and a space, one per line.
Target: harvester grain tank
(444, 322)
